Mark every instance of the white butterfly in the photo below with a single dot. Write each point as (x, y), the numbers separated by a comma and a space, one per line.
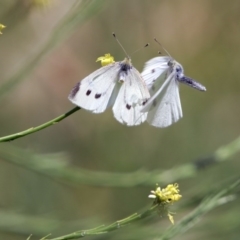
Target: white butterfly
(162, 76)
(118, 84)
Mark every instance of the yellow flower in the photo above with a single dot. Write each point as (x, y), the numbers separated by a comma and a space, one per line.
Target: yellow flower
(1, 28)
(166, 196)
(105, 60)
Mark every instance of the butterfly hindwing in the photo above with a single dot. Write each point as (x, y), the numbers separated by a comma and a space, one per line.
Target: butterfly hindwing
(131, 97)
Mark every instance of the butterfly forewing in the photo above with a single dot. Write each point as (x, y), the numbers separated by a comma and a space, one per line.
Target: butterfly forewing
(94, 92)
(153, 69)
(156, 88)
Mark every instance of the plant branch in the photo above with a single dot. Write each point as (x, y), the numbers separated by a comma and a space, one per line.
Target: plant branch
(211, 202)
(38, 128)
(57, 166)
(111, 227)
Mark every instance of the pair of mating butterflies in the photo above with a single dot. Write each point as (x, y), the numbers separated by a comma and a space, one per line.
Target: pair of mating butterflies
(152, 95)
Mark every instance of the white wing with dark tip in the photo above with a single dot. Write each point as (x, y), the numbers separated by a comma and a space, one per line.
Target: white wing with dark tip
(131, 98)
(95, 91)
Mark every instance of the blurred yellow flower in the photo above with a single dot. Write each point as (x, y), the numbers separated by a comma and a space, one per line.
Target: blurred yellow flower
(166, 196)
(106, 59)
(41, 3)
(1, 28)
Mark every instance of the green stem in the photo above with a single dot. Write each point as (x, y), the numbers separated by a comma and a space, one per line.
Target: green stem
(56, 165)
(111, 227)
(214, 200)
(38, 128)
(228, 150)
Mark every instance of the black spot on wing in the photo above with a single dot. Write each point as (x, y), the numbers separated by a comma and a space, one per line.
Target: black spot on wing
(75, 90)
(128, 106)
(144, 102)
(153, 71)
(88, 92)
(98, 95)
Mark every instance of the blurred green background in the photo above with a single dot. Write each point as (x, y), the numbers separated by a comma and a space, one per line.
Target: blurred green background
(40, 65)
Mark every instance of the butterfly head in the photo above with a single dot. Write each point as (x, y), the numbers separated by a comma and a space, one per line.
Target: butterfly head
(126, 65)
(178, 69)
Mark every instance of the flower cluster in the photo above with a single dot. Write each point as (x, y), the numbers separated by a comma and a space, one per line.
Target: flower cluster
(166, 196)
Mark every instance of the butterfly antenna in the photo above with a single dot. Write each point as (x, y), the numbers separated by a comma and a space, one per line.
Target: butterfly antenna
(114, 35)
(162, 47)
(146, 45)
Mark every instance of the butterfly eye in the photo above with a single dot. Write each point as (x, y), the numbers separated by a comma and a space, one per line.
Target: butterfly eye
(179, 72)
(178, 69)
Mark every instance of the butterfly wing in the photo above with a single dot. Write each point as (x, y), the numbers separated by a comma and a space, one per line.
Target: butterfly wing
(95, 91)
(114, 94)
(131, 97)
(165, 106)
(154, 68)
(156, 89)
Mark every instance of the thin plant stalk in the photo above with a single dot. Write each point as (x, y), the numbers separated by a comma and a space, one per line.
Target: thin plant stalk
(38, 128)
(58, 165)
